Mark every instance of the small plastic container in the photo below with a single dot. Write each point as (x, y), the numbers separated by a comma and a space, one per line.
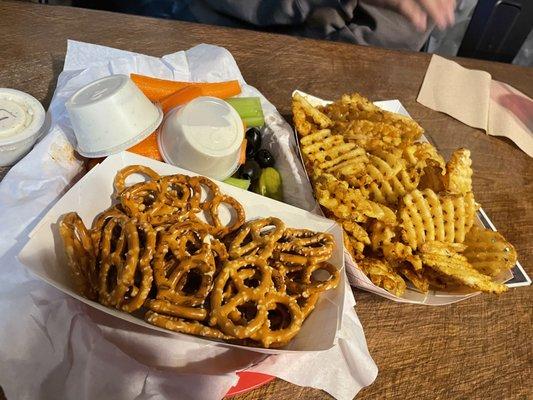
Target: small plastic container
(22, 122)
(203, 136)
(110, 115)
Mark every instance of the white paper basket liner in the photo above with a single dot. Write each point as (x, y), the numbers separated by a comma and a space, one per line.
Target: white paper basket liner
(43, 254)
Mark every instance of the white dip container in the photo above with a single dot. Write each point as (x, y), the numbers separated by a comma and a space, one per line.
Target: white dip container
(22, 120)
(203, 136)
(110, 115)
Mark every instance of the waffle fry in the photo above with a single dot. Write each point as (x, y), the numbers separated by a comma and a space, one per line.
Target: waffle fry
(445, 259)
(458, 178)
(488, 252)
(368, 126)
(164, 251)
(383, 275)
(394, 197)
(428, 217)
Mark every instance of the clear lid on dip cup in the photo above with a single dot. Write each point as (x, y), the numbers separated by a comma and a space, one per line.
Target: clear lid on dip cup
(22, 121)
(110, 115)
(203, 136)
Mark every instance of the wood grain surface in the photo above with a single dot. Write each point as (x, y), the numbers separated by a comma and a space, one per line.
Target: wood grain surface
(477, 349)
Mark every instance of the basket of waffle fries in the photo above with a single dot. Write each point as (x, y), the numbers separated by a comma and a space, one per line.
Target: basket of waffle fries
(163, 248)
(411, 229)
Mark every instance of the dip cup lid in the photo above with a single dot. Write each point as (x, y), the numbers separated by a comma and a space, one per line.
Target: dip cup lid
(21, 116)
(110, 115)
(203, 136)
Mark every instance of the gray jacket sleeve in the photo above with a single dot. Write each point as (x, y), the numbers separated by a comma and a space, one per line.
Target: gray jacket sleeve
(343, 20)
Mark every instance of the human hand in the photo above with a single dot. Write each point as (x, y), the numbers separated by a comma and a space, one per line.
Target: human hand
(418, 11)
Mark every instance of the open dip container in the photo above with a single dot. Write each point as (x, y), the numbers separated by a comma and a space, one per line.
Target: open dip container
(110, 115)
(22, 121)
(204, 136)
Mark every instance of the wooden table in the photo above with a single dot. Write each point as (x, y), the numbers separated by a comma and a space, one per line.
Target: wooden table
(479, 348)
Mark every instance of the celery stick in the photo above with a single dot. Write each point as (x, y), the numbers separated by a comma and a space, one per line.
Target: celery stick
(240, 183)
(249, 109)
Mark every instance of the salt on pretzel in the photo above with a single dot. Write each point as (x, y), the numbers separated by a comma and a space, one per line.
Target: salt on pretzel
(257, 238)
(289, 326)
(183, 326)
(211, 208)
(306, 243)
(138, 292)
(120, 178)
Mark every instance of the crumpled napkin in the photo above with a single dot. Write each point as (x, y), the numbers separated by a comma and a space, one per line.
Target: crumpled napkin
(53, 346)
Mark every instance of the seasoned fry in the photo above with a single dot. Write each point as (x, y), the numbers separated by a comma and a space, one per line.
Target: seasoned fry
(444, 258)
(426, 216)
(488, 251)
(458, 178)
(382, 274)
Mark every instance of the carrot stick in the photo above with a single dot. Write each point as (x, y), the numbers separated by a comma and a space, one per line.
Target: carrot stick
(180, 97)
(148, 147)
(156, 89)
(242, 155)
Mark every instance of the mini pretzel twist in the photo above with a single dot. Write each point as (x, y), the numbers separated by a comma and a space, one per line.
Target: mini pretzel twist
(80, 253)
(138, 292)
(307, 284)
(218, 229)
(222, 307)
(306, 243)
(288, 325)
(120, 178)
(257, 238)
(119, 257)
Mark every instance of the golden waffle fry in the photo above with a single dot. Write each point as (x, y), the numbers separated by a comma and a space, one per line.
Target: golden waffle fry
(426, 216)
(355, 238)
(382, 274)
(305, 115)
(445, 259)
(417, 278)
(420, 155)
(432, 178)
(325, 152)
(488, 252)
(458, 178)
(390, 180)
(347, 203)
(369, 126)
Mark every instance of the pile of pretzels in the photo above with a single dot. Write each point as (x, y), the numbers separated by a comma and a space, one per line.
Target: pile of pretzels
(163, 252)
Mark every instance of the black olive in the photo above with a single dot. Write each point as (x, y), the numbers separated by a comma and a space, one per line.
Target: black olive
(265, 159)
(249, 170)
(253, 141)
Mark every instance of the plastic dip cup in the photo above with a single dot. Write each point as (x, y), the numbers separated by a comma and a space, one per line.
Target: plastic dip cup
(110, 115)
(22, 121)
(203, 136)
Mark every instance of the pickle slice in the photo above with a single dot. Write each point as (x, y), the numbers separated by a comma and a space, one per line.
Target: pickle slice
(270, 184)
